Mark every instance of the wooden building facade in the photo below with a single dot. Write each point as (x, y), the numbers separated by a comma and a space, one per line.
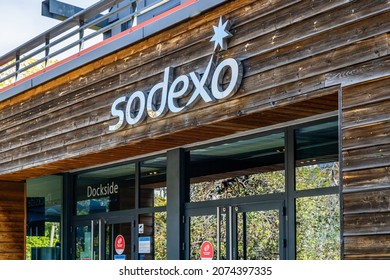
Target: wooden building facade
(300, 60)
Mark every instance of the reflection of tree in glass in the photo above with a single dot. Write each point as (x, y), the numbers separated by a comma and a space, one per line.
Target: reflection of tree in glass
(317, 176)
(160, 236)
(203, 228)
(262, 235)
(317, 222)
(255, 184)
(318, 228)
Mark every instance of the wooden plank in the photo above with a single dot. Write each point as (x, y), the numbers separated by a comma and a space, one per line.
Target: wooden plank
(367, 202)
(367, 257)
(16, 215)
(12, 218)
(372, 134)
(12, 226)
(66, 107)
(330, 59)
(367, 93)
(376, 245)
(366, 179)
(317, 44)
(11, 236)
(11, 194)
(365, 158)
(267, 25)
(367, 114)
(366, 224)
(359, 73)
(10, 248)
(12, 256)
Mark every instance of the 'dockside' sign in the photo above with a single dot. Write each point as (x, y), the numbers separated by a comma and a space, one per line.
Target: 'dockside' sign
(102, 190)
(175, 94)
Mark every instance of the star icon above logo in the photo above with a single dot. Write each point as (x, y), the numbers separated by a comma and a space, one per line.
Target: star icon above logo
(221, 33)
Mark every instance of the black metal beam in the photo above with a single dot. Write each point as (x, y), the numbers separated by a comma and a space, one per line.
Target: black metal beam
(175, 207)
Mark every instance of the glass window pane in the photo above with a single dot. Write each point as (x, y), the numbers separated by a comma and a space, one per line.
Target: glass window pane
(317, 156)
(105, 190)
(318, 227)
(83, 243)
(160, 235)
(152, 236)
(114, 231)
(44, 212)
(317, 176)
(153, 190)
(204, 228)
(258, 235)
(242, 168)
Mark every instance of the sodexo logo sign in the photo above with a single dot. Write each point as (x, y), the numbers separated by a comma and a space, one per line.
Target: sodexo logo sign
(177, 94)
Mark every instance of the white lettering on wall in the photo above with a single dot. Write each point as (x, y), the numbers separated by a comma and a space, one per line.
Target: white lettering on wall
(172, 94)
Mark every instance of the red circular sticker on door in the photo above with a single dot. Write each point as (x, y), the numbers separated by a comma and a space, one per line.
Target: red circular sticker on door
(206, 251)
(119, 244)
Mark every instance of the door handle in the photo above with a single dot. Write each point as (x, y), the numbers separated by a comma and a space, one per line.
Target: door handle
(92, 229)
(230, 232)
(100, 239)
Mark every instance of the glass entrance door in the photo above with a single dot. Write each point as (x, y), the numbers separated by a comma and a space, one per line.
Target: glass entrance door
(119, 239)
(258, 232)
(252, 231)
(104, 239)
(207, 225)
(88, 240)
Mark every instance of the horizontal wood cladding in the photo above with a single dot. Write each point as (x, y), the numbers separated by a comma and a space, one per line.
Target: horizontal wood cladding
(367, 93)
(290, 50)
(377, 133)
(369, 157)
(12, 220)
(365, 126)
(366, 169)
(367, 202)
(372, 246)
(367, 114)
(366, 224)
(319, 105)
(366, 179)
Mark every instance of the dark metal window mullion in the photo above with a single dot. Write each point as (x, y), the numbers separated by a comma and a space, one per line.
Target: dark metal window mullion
(317, 192)
(290, 191)
(137, 207)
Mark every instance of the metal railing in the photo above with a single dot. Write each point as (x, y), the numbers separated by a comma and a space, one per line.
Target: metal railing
(105, 19)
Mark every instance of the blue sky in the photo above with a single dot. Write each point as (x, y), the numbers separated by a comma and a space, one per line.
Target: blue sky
(21, 21)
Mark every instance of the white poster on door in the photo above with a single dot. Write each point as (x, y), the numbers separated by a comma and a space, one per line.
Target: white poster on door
(144, 245)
